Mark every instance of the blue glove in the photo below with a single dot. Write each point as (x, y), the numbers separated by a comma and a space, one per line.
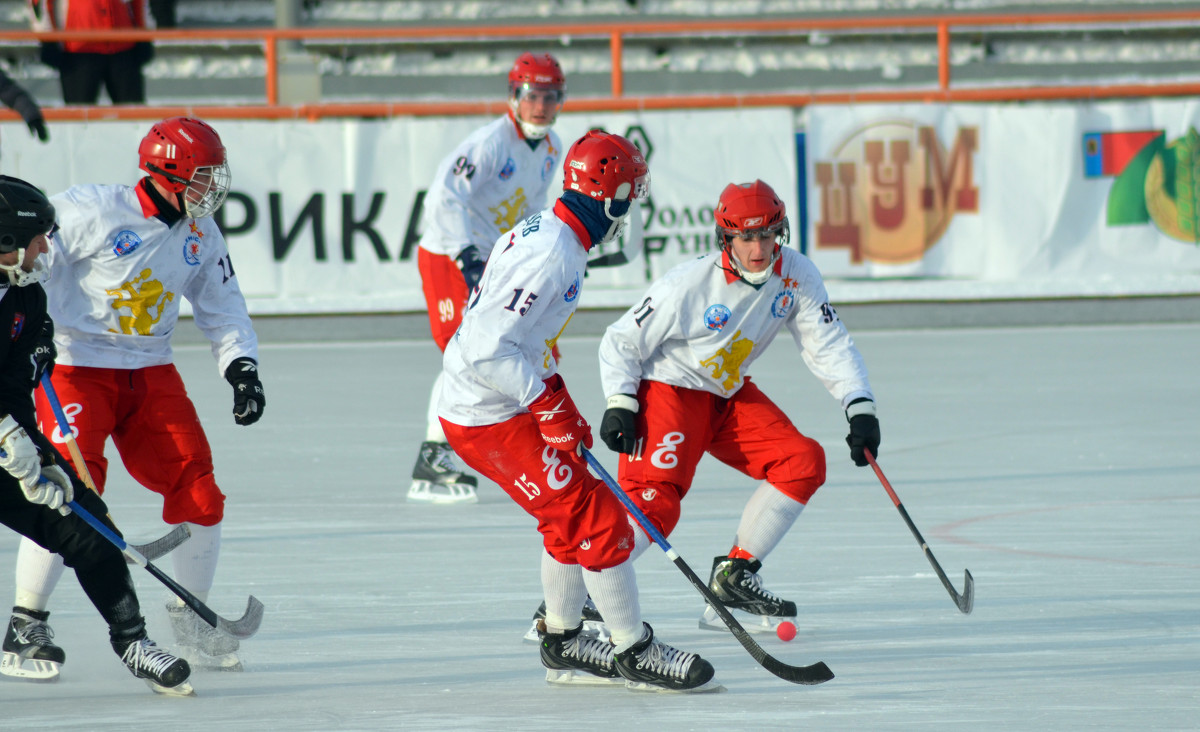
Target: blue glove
(471, 266)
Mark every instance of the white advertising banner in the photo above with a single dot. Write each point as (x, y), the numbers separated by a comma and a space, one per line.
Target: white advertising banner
(323, 217)
(1034, 200)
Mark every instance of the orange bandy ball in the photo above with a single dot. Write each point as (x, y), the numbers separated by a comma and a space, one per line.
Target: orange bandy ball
(786, 631)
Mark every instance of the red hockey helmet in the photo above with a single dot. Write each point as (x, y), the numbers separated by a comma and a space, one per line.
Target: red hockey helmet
(606, 167)
(540, 71)
(539, 74)
(186, 156)
(751, 211)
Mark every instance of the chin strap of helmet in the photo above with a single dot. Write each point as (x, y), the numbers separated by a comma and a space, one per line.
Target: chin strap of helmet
(528, 129)
(169, 176)
(18, 277)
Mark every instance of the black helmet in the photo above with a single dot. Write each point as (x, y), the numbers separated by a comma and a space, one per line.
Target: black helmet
(25, 212)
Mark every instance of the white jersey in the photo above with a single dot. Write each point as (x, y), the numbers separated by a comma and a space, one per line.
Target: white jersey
(495, 364)
(700, 327)
(117, 276)
(492, 180)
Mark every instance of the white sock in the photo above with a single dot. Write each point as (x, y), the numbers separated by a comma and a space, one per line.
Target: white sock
(195, 560)
(641, 541)
(37, 574)
(565, 594)
(767, 517)
(433, 426)
(615, 592)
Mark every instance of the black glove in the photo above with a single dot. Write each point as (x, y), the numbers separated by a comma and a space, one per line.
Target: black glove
(43, 356)
(618, 428)
(248, 399)
(471, 266)
(29, 110)
(864, 430)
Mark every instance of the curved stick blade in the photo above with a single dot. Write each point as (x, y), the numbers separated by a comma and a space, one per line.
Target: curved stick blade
(966, 601)
(162, 546)
(247, 625)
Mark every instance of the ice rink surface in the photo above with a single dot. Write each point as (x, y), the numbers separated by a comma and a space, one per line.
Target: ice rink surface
(1061, 465)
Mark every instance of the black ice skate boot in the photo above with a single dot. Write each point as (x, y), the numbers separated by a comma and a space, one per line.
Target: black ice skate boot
(436, 479)
(572, 658)
(737, 585)
(593, 624)
(29, 651)
(162, 672)
(651, 665)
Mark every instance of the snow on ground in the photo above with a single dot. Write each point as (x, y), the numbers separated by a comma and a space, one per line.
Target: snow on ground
(1058, 464)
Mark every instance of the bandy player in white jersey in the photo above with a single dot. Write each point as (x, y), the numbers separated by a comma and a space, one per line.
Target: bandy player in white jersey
(497, 176)
(675, 373)
(120, 264)
(506, 411)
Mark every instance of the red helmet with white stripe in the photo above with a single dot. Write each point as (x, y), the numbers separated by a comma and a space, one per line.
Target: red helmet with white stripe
(751, 211)
(186, 156)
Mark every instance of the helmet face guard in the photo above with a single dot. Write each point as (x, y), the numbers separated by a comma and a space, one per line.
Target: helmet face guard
(207, 190)
(186, 157)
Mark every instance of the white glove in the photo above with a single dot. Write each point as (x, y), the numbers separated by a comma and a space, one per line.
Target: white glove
(20, 456)
(52, 490)
(48, 486)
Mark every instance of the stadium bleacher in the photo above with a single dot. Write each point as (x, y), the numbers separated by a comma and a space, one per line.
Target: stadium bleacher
(233, 72)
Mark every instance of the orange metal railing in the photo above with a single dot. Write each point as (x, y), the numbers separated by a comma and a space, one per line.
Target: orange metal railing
(616, 34)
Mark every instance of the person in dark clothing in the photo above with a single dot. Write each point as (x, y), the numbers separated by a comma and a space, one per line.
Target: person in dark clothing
(37, 484)
(85, 66)
(22, 102)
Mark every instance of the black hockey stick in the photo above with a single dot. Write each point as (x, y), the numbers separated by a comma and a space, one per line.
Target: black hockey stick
(817, 673)
(243, 627)
(966, 600)
(151, 550)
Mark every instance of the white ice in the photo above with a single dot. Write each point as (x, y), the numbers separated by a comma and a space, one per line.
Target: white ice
(1059, 464)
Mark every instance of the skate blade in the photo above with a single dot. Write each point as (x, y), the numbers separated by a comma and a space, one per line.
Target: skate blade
(181, 689)
(710, 687)
(580, 678)
(591, 629)
(751, 622)
(32, 669)
(423, 491)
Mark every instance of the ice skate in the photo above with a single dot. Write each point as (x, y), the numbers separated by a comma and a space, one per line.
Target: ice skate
(29, 651)
(651, 665)
(162, 672)
(572, 658)
(205, 647)
(737, 585)
(436, 479)
(593, 624)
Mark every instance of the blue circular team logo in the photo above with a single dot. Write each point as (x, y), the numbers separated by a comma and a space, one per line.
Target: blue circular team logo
(126, 242)
(716, 317)
(547, 167)
(783, 303)
(509, 168)
(191, 250)
(572, 291)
